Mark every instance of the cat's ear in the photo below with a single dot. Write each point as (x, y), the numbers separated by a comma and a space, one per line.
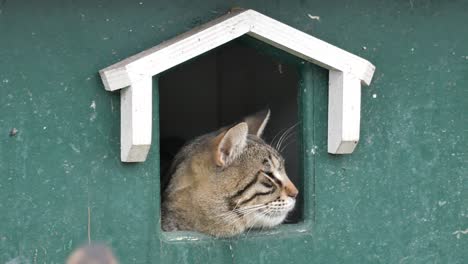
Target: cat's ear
(257, 122)
(230, 144)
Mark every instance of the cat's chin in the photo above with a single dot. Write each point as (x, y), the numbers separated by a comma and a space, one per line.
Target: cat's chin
(261, 220)
(266, 221)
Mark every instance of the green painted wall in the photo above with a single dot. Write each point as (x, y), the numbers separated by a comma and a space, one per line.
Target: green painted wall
(400, 198)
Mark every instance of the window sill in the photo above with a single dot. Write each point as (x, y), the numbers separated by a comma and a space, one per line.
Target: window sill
(285, 230)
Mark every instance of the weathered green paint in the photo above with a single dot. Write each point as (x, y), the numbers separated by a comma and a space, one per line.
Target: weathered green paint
(400, 197)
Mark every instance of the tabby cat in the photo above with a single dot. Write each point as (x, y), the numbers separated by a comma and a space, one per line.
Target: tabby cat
(228, 181)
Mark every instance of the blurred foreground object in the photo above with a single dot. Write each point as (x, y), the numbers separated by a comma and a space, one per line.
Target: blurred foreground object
(92, 254)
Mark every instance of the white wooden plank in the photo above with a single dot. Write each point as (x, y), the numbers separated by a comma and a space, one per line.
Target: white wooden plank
(344, 105)
(220, 31)
(347, 72)
(175, 51)
(136, 120)
(308, 47)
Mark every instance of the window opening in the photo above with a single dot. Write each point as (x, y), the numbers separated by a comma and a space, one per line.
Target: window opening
(221, 87)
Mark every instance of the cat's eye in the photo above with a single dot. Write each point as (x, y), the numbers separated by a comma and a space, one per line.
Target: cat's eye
(272, 177)
(267, 184)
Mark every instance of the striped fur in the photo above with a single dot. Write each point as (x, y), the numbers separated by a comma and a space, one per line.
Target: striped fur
(228, 181)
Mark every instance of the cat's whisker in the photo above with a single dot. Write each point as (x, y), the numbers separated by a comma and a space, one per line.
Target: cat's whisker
(264, 213)
(248, 210)
(252, 206)
(236, 219)
(250, 228)
(239, 210)
(229, 217)
(237, 205)
(277, 134)
(285, 134)
(233, 214)
(281, 137)
(287, 144)
(245, 213)
(244, 209)
(227, 214)
(290, 133)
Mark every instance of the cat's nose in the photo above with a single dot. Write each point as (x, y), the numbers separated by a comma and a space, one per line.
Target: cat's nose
(291, 190)
(293, 193)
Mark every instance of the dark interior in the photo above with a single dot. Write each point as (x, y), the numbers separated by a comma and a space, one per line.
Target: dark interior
(220, 88)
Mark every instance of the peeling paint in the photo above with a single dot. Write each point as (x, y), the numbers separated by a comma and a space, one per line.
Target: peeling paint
(75, 149)
(459, 233)
(442, 203)
(13, 132)
(94, 113)
(313, 17)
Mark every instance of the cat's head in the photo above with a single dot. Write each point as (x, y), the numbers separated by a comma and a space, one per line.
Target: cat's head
(231, 180)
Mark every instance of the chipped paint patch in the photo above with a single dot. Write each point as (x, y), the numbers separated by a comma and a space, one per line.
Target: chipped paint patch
(93, 114)
(313, 150)
(313, 17)
(77, 150)
(459, 233)
(13, 132)
(442, 203)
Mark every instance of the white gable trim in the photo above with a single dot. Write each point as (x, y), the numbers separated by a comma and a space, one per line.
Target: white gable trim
(347, 73)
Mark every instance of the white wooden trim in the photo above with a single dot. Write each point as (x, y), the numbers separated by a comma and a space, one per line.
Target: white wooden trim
(175, 51)
(344, 105)
(347, 72)
(136, 120)
(309, 48)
